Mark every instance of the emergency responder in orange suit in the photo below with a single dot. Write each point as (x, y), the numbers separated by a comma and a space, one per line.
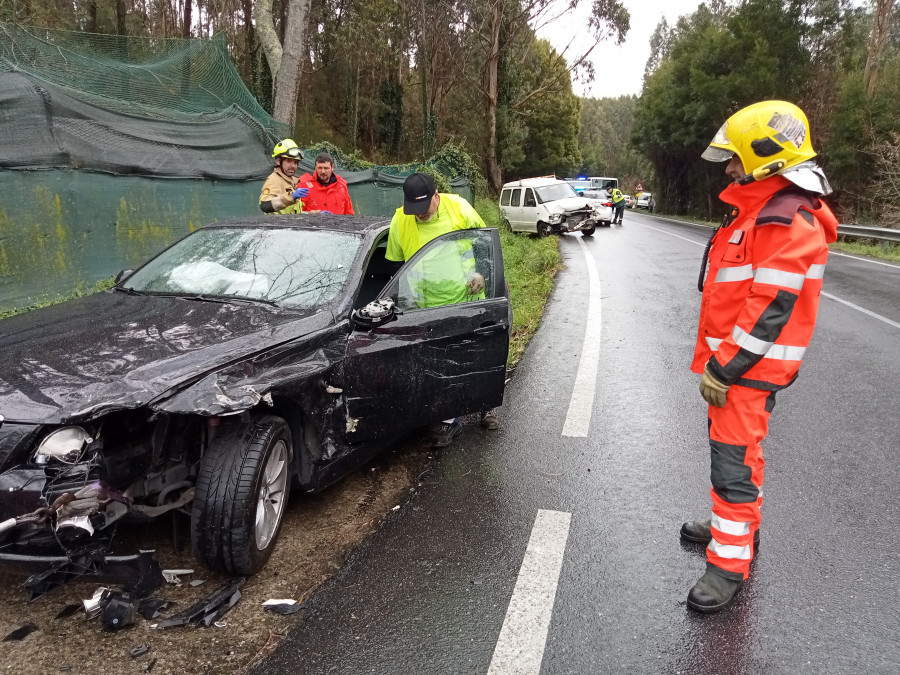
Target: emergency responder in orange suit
(761, 279)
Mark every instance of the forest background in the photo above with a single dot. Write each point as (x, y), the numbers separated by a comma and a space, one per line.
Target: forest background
(394, 81)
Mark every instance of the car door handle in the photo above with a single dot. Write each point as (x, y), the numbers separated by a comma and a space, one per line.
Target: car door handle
(490, 329)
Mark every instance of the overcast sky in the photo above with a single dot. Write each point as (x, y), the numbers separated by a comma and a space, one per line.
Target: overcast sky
(619, 70)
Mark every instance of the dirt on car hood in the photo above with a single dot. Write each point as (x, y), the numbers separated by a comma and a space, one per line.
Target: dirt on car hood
(112, 350)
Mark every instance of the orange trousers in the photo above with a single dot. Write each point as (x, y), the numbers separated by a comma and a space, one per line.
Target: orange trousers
(736, 473)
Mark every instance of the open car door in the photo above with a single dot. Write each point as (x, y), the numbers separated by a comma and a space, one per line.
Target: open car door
(444, 354)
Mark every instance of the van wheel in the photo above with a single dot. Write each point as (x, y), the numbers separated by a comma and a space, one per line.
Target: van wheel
(588, 231)
(506, 225)
(242, 490)
(543, 229)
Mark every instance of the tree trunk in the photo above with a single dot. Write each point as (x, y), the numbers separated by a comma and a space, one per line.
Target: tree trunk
(426, 109)
(491, 89)
(92, 17)
(120, 17)
(186, 19)
(287, 82)
(881, 23)
(247, 58)
(268, 38)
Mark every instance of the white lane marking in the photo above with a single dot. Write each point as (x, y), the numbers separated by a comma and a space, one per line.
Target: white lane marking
(520, 647)
(677, 236)
(868, 260)
(578, 418)
(863, 310)
(827, 295)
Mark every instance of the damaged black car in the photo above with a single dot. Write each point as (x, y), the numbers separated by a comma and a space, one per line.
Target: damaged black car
(251, 357)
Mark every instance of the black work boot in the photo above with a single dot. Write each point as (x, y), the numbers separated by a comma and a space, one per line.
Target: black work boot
(713, 592)
(700, 532)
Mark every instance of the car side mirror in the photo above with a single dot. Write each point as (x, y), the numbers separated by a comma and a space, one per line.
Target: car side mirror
(376, 313)
(123, 275)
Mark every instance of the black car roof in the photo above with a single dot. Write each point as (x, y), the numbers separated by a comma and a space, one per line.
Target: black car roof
(311, 221)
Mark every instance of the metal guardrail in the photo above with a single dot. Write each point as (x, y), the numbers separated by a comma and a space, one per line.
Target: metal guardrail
(882, 234)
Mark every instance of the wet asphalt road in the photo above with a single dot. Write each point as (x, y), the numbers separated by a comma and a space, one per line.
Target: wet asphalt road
(428, 593)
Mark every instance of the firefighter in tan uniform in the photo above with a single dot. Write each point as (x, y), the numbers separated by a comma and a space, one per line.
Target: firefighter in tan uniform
(280, 193)
(761, 279)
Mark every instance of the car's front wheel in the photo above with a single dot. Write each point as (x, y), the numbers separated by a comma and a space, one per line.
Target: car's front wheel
(242, 491)
(543, 229)
(588, 231)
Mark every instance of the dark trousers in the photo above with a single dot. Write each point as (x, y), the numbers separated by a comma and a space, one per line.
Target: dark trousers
(620, 211)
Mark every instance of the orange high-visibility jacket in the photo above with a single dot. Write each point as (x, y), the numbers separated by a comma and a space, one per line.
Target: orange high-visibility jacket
(333, 197)
(762, 283)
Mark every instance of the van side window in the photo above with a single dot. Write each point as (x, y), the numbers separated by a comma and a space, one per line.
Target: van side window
(529, 198)
(504, 197)
(516, 197)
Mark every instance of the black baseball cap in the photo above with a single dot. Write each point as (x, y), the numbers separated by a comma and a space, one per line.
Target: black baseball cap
(418, 189)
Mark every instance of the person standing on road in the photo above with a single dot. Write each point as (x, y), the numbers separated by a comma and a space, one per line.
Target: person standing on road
(328, 192)
(618, 202)
(280, 193)
(425, 215)
(761, 278)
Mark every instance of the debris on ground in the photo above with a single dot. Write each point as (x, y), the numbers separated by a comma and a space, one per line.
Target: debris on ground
(210, 609)
(20, 633)
(172, 576)
(282, 606)
(138, 650)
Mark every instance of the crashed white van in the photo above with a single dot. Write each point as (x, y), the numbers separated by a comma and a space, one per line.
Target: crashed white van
(549, 205)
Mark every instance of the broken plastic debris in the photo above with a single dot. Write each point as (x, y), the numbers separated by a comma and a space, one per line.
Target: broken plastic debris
(220, 624)
(171, 576)
(210, 609)
(83, 522)
(150, 608)
(138, 650)
(333, 390)
(20, 633)
(283, 606)
(197, 582)
(396, 508)
(67, 611)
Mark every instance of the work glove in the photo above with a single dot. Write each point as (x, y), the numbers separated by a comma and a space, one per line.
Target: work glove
(475, 284)
(300, 193)
(324, 211)
(713, 390)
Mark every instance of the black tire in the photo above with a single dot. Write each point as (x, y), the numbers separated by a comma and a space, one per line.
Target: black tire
(543, 229)
(588, 231)
(506, 225)
(229, 492)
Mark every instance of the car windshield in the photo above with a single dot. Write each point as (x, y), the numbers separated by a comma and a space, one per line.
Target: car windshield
(550, 193)
(303, 268)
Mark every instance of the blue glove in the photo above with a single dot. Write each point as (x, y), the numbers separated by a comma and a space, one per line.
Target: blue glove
(324, 211)
(300, 193)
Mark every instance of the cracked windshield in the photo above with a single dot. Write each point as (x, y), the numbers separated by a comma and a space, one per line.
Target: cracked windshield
(287, 266)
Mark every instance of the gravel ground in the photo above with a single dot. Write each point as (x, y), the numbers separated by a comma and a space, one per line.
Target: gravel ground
(318, 533)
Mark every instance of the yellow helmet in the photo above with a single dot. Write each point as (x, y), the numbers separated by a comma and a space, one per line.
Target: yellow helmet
(287, 148)
(768, 137)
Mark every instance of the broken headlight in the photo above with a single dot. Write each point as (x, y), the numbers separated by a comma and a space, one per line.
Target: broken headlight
(65, 445)
(555, 218)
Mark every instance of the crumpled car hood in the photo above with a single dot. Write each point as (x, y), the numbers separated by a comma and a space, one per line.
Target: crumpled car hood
(113, 350)
(567, 204)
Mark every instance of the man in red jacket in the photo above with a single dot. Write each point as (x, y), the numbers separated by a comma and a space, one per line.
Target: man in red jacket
(761, 279)
(328, 192)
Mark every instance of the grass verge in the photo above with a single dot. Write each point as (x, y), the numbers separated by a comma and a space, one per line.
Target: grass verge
(881, 251)
(529, 265)
(80, 291)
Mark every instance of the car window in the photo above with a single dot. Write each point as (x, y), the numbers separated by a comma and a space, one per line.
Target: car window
(529, 198)
(504, 197)
(516, 197)
(457, 267)
(304, 268)
(550, 193)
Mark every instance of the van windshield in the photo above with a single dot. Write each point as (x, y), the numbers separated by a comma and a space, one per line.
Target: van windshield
(550, 193)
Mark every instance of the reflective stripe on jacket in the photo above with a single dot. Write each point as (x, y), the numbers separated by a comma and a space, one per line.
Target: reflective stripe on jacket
(763, 278)
(334, 197)
(279, 185)
(616, 196)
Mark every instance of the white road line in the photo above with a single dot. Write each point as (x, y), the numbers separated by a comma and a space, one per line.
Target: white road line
(862, 309)
(520, 647)
(868, 260)
(578, 418)
(677, 236)
(827, 295)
